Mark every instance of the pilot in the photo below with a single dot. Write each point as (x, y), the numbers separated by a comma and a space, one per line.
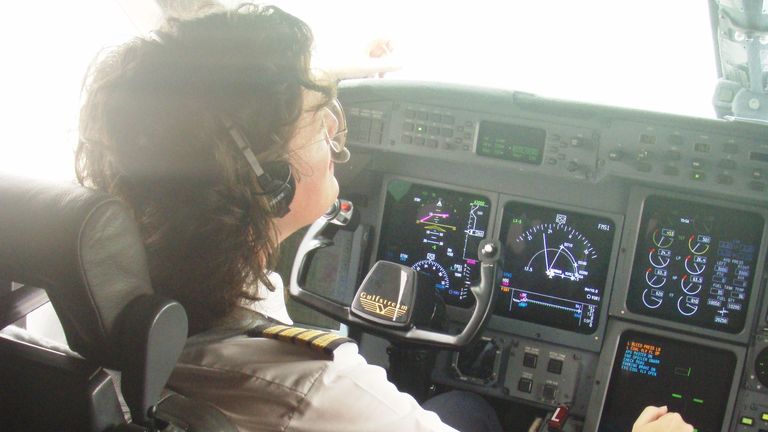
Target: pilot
(222, 141)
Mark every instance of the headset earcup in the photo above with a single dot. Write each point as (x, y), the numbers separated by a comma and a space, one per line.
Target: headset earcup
(281, 188)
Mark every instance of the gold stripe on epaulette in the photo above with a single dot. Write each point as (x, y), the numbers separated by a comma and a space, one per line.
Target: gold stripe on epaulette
(274, 330)
(308, 335)
(315, 339)
(325, 340)
(290, 333)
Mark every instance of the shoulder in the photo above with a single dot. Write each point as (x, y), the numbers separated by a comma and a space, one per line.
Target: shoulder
(259, 383)
(275, 384)
(285, 357)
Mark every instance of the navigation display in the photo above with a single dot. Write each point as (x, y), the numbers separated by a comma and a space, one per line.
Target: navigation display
(437, 232)
(695, 263)
(690, 379)
(555, 266)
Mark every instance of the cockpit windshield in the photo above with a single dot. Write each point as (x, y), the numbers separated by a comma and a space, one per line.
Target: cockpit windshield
(652, 55)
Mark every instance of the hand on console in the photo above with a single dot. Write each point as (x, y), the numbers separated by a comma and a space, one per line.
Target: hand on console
(659, 419)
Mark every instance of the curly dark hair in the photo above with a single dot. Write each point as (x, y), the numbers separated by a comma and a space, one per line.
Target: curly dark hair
(151, 133)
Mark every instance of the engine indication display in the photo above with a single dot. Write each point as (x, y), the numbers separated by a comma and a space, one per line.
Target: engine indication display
(555, 266)
(695, 263)
(437, 232)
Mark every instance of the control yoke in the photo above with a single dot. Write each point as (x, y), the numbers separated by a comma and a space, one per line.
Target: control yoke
(390, 302)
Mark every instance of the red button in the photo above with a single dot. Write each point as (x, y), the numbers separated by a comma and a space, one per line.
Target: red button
(346, 206)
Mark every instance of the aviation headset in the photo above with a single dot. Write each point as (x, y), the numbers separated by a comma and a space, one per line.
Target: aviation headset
(279, 193)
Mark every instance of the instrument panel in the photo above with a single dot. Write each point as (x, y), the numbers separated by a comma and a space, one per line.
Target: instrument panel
(634, 244)
(437, 232)
(555, 266)
(695, 263)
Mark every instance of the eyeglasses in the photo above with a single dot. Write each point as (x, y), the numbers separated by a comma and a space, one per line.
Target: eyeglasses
(335, 127)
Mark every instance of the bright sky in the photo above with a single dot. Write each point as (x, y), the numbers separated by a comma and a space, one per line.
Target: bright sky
(650, 54)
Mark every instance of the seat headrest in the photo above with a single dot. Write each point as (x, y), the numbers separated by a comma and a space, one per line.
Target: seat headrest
(83, 248)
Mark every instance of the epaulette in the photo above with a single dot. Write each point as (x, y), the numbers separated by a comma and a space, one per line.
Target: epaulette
(314, 339)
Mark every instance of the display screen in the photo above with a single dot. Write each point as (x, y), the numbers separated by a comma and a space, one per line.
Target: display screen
(689, 379)
(695, 263)
(437, 232)
(511, 142)
(555, 266)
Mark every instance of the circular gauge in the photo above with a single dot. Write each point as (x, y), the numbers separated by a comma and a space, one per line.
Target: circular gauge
(663, 238)
(654, 279)
(690, 287)
(652, 298)
(698, 244)
(685, 307)
(695, 265)
(657, 258)
(437, 275)
(561, 252)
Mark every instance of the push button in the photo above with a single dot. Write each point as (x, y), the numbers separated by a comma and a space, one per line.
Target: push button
(727, 164)
(549, 391)
(643, 166)
(747, 421)
(724, 179)
(670, 170)
(615, 154)
(525, 385)
(730, 148)
(673, 155)
(530, 360)
(555, 366)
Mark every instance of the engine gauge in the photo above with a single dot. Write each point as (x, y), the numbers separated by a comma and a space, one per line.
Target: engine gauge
(694, 263)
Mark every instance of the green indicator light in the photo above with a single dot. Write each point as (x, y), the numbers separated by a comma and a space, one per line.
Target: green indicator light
(747, 421)
(698, 401)
(677, 395)
(695, 430)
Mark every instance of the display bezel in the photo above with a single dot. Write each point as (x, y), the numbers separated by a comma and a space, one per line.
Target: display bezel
(605, 368)
(631, 237)
(590, 342)
(455, 312)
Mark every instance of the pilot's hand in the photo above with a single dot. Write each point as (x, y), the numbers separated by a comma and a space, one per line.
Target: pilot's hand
(372, 61)
(659, 419)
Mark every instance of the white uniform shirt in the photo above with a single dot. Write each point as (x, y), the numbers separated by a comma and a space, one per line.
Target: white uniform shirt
(270, 385)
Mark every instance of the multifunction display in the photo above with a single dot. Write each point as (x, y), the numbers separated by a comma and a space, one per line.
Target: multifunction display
(437, 232)
(511, 142)
(690, 379)
(555, 266)
(695, 263)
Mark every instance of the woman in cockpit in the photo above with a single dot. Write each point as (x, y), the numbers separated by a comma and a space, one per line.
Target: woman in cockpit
(222, 141)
